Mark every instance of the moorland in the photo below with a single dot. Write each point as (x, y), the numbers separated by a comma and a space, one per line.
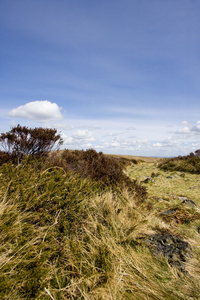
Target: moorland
(84, 225)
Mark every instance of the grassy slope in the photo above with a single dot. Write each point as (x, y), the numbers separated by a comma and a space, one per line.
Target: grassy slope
(63, 237)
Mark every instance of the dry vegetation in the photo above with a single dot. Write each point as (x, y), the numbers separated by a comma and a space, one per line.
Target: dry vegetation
(134, 158)
(68, 237)
(81, 225)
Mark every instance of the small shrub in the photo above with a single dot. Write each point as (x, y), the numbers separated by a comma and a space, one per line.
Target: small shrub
(21, 141)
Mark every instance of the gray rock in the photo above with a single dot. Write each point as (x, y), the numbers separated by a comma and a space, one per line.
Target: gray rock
(168, 212)
(176, 250)
(182, 198)
(193, 187)
(169, 177)
(191, 203)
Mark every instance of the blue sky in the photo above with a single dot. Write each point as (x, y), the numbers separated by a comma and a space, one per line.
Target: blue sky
(117, 76)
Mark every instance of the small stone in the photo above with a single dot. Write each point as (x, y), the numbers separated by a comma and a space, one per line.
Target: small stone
(193, 187)
(191, 203)
(168, 212)
(169, 177)
(182, 198)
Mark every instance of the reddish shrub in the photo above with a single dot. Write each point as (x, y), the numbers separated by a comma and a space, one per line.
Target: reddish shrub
(4, 157)
(21, 141)
(108, 171)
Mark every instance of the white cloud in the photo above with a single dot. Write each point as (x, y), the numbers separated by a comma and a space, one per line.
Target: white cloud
(189, 131)
(196, 128)
(183, 130)
(131, 128)
(83, 135)
(157, 145)
(79, 139)
(37, 110)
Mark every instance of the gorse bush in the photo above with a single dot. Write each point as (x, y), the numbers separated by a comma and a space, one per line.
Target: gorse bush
(39, 210)
(21, 141)
(49, 221)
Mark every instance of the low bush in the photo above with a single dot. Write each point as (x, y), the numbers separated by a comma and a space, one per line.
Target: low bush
(189, 164)
(104, 169)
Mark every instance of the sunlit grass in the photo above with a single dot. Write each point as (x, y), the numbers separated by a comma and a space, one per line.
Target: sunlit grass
(168, 189)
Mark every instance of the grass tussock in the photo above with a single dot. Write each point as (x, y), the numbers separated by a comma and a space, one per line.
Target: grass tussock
(68, 233)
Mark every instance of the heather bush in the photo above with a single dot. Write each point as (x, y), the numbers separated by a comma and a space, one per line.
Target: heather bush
(21, 141)
(106, 170)
(4, 157)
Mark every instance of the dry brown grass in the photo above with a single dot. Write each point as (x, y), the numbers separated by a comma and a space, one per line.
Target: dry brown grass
(138, 158)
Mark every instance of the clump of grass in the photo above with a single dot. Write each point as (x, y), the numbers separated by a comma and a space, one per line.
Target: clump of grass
(182, 215)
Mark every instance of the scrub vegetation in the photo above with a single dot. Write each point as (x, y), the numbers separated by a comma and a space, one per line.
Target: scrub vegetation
(188, 163)
(84, 225)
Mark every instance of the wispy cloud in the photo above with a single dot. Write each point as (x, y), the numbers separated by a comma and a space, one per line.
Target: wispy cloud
(196, 128)
(81, 135)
